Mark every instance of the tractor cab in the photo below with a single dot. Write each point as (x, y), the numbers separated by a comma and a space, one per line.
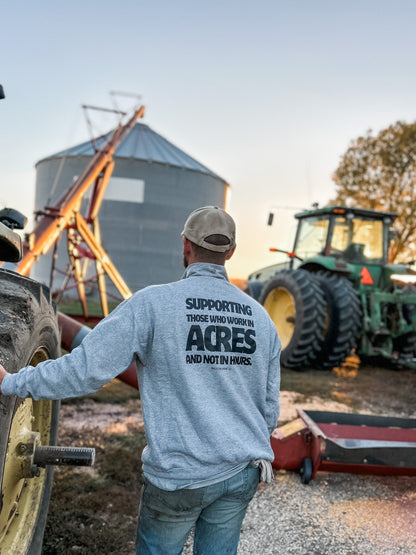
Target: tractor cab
(338, 292)
(354, 235)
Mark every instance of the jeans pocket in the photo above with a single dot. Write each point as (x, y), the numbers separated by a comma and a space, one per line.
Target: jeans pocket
(244, 484)
(177, 501)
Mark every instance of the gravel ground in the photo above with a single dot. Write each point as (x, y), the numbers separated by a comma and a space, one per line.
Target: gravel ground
(334, 514)
(340, 514)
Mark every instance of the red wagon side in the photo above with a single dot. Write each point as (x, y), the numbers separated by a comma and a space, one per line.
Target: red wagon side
(344, 442)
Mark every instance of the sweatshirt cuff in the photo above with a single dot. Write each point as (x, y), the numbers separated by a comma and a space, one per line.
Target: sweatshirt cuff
(7, 385)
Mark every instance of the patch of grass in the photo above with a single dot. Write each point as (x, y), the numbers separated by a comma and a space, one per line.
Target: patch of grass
(91, 533)
(95, 510)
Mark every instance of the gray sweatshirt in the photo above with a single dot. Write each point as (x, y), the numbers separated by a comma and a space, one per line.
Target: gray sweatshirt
(208, 367)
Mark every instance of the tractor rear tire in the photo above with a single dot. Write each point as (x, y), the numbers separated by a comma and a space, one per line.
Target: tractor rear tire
(296, 304)
(342, 323)
(28, 335)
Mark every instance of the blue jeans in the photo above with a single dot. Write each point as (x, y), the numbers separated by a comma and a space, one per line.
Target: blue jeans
(217, 512)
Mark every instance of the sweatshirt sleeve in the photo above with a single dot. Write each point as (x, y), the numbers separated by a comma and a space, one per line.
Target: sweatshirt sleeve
(273, 382)
(108, 350)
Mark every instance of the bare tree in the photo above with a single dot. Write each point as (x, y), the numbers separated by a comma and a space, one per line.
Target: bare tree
(379, 172)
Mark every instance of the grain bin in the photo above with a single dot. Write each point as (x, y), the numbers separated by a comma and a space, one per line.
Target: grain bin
(154, 186)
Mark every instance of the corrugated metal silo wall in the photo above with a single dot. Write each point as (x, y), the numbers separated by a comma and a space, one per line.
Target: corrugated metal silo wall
(141, 236)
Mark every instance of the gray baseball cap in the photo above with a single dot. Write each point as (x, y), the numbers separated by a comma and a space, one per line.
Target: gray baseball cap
(204, 222)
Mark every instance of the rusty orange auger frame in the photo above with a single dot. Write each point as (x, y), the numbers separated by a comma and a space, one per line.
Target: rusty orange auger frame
(65, 215)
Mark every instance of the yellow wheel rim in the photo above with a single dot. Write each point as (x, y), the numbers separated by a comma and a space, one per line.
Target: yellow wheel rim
(281, 307)
(22, 496)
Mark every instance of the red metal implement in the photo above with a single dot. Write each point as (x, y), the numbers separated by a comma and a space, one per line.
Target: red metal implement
(344, 442)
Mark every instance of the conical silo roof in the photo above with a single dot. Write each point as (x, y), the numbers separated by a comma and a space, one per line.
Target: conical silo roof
(142, 143)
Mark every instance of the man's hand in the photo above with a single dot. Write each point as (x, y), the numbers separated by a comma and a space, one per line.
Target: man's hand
(2, 374)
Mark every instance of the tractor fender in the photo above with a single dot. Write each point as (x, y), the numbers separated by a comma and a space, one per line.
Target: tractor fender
(325, 263)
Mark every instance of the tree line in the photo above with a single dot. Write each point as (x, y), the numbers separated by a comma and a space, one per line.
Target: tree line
(378, 172)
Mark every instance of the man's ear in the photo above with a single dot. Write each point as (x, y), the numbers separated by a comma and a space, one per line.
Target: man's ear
(187, 247)
(230, 253)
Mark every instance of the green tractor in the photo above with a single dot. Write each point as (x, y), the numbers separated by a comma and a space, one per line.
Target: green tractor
(337, 292)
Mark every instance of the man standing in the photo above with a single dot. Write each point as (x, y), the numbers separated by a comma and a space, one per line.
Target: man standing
(208, 366)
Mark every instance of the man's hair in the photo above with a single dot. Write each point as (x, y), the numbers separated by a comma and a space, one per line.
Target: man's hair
(213, 257)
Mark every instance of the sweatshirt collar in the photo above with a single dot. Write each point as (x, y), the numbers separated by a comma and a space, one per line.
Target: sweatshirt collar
(206, 270)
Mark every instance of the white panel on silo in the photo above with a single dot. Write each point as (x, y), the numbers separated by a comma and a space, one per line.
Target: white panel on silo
(122, 189)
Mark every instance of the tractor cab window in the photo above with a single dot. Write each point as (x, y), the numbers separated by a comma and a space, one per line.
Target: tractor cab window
(358, 240)
(312, 235)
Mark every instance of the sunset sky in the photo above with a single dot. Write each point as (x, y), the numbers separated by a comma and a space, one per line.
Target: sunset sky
(267, 94)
